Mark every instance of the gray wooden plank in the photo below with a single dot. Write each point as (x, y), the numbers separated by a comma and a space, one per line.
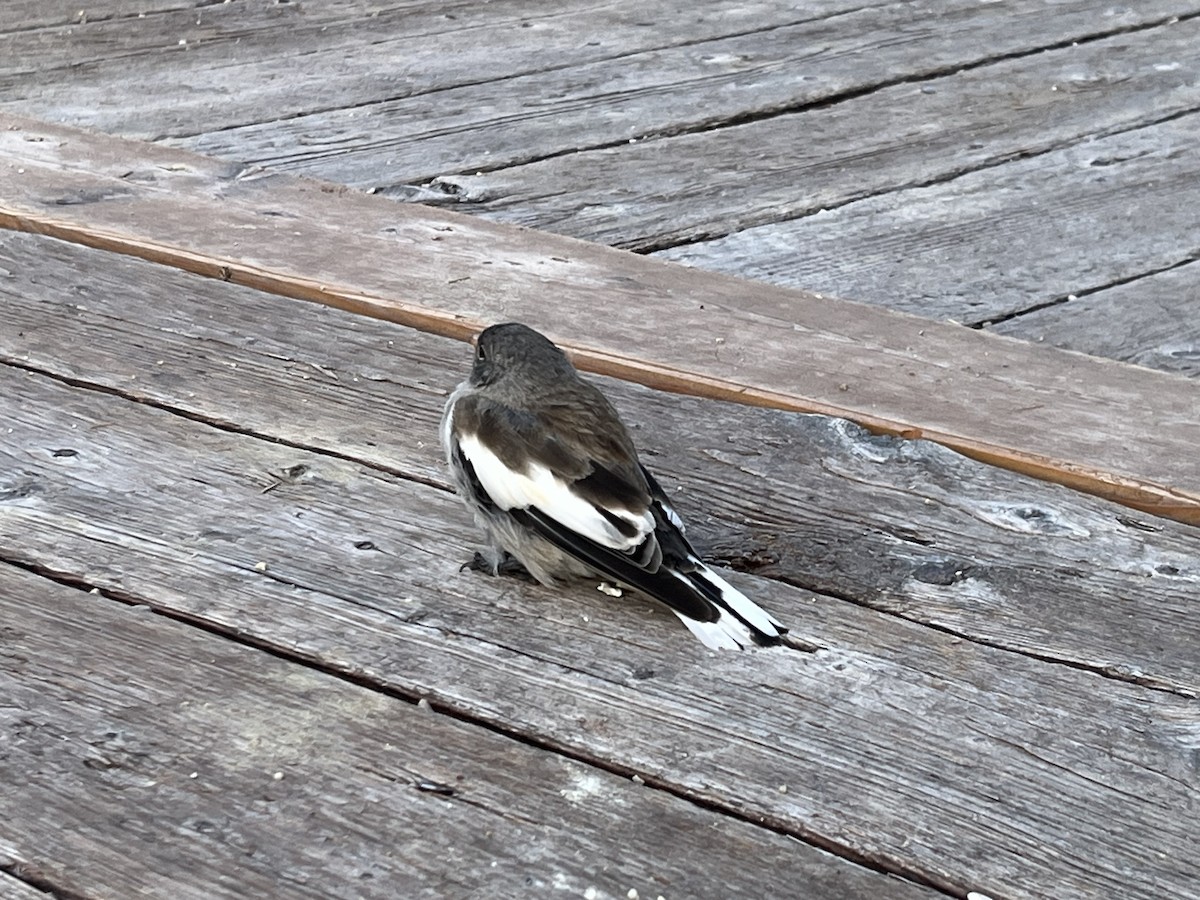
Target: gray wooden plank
(398, 145)
(904, 527)
(695, 187)
(357, 99)
(967, 766)
(172, 75)
(992, 243)
(145, 757)
(15, 889)
(17, 16)
(74, 42)
(1151, 321)
(1037, 410)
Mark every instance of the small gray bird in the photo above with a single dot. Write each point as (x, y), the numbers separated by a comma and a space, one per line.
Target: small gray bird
(547, 467)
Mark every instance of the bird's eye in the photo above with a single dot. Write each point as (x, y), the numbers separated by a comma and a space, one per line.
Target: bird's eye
(479, 354)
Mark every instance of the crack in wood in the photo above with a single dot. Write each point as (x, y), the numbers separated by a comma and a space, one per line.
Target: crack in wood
(35, 878)
(445, 185)
(223, 425)
(703, 235)
(526, 73)
(1188, 260)
(1115, 672)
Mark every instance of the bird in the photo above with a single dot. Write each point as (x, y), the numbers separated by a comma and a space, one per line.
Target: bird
(544, 462)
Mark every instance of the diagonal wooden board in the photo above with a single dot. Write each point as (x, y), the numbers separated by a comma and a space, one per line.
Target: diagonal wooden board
(1105, 427)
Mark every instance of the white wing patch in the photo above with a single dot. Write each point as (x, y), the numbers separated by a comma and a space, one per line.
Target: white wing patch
(758, 617)
(544, 490)
(672, 516)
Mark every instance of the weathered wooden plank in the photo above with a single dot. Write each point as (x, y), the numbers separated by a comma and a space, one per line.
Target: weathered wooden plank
(20, 16)
(994, 242)
(166, 35)
(225, 67)
(1033, 409)
(647, 194)
(964, 765)
(486, 122)
(280, 781)
(16, 889)
(1150, 321)
(679, 190)
(904, 527)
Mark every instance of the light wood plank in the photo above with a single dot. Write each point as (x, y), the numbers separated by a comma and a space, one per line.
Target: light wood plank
(186, 72)
(1115, 430)
(18, 17)
(274, 780)
(701, 186)
(61, 45)
(901, 526)
(969, 767)
(650, 193)
(1150, 321)
(993, 243)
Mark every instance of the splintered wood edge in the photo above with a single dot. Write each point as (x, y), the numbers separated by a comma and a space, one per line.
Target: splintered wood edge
(1140, 494)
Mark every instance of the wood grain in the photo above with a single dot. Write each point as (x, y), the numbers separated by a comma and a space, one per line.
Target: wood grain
(275, 780)
(627, 192)
(1150, 321)
(994, 243)
(963, 765)
(193, 70)
(18, 17)
(350, 115)
(901, 526)
(16, 889)
(1033, 409)
(791, 168)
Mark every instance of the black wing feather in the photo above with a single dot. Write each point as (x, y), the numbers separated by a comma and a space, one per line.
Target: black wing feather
(659, 582)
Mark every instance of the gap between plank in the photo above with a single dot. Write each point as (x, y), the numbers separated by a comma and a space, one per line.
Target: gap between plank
(1115, 673)
(701, 237)
(1059, 301)
(449, 191)
(27, 874)
(807, 836)
(525, 73)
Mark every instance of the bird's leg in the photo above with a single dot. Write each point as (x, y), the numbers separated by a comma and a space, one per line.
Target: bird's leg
(497, 563)
(514, 568)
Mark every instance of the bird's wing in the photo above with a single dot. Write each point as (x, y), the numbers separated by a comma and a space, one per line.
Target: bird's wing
(521, 465)
(539, 487)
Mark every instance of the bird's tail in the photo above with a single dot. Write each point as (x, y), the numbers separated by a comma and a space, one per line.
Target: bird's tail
(740, 622)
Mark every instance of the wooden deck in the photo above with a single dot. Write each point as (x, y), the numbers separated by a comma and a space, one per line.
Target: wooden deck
(237, 655)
